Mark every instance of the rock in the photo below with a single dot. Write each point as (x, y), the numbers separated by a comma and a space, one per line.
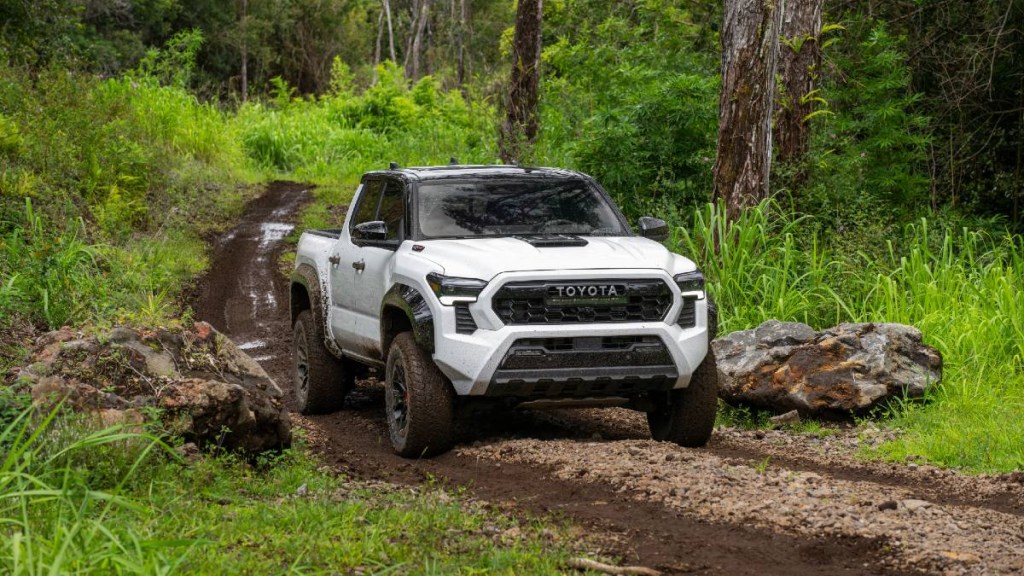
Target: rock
(888, 505)
(50, 391)
(189, 451)
(913, 505)
(849, 368)
(1016, 477)
(205, 389)
(791, 417)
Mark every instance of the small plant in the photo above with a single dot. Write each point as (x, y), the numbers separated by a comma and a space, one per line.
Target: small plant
(762, 466)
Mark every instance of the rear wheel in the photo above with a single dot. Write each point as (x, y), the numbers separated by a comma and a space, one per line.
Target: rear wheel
(320, 380)
(687, 416)
(419, 400)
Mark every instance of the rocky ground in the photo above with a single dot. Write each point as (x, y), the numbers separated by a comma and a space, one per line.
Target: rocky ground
(752, 502)
(913, 532)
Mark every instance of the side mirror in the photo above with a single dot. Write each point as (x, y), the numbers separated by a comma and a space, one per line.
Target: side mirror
(376, 230)
(653, 228)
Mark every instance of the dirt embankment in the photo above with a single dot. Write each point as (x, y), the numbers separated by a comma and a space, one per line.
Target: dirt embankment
(751, 503)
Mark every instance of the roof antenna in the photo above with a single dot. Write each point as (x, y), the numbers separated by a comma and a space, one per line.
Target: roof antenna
(453, 161)
(393, 166)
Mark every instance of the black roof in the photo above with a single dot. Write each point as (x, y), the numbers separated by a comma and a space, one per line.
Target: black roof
(480, 170)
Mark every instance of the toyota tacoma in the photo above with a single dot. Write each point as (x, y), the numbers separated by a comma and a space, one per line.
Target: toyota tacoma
(500, 286)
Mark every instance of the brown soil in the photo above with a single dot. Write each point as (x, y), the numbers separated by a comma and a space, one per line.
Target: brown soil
(246, 297)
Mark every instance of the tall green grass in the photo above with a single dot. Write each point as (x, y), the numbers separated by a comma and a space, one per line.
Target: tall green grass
(56, 518)
(106, 188)
(79, 500)
(964, 290)
(335, 138)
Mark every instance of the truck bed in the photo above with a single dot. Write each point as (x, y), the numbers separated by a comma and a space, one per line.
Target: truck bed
(332, 233)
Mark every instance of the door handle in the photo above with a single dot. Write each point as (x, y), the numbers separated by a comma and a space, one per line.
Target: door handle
(334, 260)
(361, 265)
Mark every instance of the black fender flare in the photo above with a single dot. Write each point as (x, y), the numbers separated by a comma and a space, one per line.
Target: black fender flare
(306, 276)
(411, 302)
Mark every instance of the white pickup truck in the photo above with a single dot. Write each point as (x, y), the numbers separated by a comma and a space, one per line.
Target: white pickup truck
(502, 285)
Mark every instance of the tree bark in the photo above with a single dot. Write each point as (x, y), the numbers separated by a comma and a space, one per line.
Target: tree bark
(799, 68)
(245, 51)
(750, 47)
(391, 32)
(376, 48)
(419, 25)
(462, 40)
(521, 124)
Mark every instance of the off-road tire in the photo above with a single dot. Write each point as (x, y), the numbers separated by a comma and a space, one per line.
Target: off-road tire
(419, 401)
(320, 381)
(687, 416)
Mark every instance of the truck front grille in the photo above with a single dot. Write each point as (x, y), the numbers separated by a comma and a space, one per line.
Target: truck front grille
(583, 302)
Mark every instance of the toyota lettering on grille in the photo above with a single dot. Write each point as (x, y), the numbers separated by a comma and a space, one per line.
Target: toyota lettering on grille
(586, 291)
(586, 294)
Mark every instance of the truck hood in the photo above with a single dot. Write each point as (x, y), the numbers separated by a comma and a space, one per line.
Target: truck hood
(484, 258)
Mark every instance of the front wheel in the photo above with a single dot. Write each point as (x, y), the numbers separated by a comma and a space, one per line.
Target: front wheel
(687, 416)
(419, 400)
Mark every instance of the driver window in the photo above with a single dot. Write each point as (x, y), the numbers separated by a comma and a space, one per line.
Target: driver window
(367, 209)
(392, 211)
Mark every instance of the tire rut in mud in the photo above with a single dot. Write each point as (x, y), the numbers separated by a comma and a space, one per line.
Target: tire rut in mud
(246, 297)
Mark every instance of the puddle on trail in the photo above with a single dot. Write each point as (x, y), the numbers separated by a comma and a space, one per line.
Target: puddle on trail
(271, 232)
(253, 345)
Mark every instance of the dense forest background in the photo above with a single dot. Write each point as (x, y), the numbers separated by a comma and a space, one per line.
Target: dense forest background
(132, 129)
(918, 109)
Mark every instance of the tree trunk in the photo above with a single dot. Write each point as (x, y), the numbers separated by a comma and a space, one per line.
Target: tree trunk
(391, 32)
(750, 47)
(412, 70)
(521, 124)
(245, 51)
(799, 68)
(462, 39)
(376, 48)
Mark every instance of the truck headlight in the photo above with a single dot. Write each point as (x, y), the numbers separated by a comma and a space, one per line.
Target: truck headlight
(450, 289)
(690, 283)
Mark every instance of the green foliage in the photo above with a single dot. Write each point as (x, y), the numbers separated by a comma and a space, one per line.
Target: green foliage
(122, 176)
(74, 499)
(337, 137)
(614, 106)
(55, 277)
(964, 289)
(176, 62)
(868, 160)
(58, 499)
(10, 137)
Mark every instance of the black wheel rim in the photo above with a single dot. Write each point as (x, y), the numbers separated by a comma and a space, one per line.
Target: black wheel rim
(398, 396)
(301, 367)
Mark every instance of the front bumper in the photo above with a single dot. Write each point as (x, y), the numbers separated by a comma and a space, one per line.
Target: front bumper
(583, 360)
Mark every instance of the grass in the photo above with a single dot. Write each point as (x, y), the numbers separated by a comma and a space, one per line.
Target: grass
(964, 290)
(106, 189)
(74, 499)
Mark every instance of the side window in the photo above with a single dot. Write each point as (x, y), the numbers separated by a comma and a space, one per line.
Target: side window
(392, 210)
(366, 211)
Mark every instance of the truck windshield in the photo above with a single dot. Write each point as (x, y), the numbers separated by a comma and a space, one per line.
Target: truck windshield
(462, 209)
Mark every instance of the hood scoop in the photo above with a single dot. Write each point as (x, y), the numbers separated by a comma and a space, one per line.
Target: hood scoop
(552, 240)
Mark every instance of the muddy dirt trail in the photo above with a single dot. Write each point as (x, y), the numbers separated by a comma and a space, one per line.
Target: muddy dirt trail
(751, 503)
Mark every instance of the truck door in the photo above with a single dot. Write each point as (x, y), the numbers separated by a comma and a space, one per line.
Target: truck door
(362, 265)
